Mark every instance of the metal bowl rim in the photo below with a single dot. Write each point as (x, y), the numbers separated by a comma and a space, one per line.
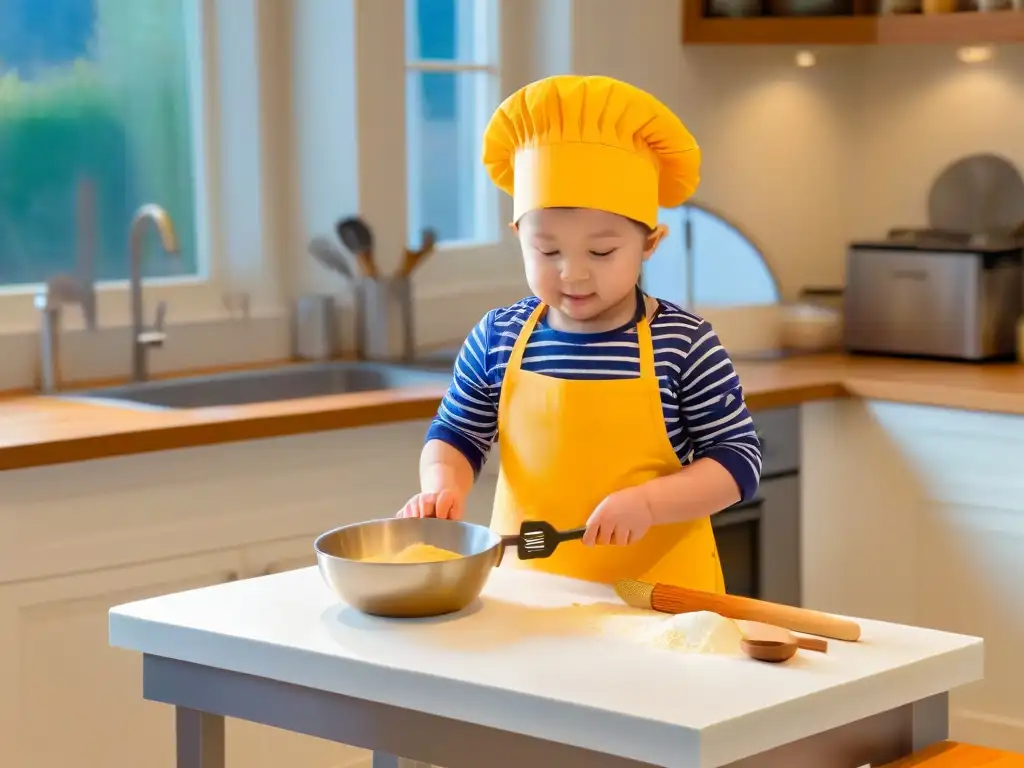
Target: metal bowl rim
(381, 520)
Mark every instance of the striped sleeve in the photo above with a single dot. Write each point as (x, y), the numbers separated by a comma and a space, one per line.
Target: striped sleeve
(468, 416)
(711, 405)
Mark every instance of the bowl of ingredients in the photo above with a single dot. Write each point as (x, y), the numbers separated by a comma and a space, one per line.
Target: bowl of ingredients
(408, 567)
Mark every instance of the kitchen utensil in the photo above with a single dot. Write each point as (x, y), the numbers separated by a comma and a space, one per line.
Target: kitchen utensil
(408, 590)
(330, 256)
(413, 258)
(539, 539)
(979, 194)
(376, 315)
(772, 651)
(416, 590)
(357, 237)
(766, 637)
(671, 599)
(401, 289)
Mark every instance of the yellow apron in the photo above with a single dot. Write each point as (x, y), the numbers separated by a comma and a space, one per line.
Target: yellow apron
(567, 444)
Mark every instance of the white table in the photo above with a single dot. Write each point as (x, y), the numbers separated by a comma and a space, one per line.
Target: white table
(508, 685)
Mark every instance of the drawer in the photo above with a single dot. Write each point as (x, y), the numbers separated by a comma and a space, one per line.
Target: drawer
(779, 432)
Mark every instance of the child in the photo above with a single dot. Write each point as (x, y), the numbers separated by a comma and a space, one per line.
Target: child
(615, 410)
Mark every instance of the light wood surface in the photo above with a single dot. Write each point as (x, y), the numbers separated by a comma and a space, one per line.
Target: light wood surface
(669, 598)
(965, 28)
(36, 431)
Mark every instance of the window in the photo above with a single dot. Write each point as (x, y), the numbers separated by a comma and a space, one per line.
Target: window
(451, 91)
(94, 121)
(721, 267)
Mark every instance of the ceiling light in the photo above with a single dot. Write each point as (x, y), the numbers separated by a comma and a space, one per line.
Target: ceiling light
(975, 54)
(805, 59)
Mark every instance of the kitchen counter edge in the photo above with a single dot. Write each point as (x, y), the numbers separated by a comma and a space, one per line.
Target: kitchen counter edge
(40, 431)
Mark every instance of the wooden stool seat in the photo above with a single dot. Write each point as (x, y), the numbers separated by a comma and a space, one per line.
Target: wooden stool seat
(951, 754)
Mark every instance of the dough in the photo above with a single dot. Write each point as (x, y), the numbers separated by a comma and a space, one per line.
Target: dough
(415, 553)
(699, 632)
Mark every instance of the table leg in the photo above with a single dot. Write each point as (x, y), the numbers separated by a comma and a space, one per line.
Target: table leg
(200, 739)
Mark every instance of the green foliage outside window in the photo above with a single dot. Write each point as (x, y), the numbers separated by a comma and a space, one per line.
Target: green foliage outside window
(118, 118)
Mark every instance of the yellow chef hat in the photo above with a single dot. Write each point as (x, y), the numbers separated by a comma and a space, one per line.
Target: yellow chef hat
(590, 142)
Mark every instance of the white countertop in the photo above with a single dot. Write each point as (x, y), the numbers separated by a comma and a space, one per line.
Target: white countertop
(512, 665)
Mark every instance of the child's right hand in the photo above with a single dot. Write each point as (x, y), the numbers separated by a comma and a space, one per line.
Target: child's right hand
(446, 505)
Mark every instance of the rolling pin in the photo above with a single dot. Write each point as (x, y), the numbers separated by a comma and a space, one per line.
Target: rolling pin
(667, 598)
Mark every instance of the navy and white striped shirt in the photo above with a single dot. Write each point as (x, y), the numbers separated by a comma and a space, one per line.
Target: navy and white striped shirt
(705, 415)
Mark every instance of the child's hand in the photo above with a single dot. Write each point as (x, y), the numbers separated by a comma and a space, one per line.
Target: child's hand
(446, 505)
(622, 518)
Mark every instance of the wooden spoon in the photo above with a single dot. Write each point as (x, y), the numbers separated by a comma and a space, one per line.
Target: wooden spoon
(765, 642)
(413, 258)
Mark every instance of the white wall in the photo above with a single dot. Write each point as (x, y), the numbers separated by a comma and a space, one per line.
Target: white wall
(921, 109)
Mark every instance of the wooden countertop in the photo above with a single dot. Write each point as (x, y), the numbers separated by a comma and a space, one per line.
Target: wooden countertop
(36, 431)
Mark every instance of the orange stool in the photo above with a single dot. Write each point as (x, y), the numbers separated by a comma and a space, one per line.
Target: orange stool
(951, 754)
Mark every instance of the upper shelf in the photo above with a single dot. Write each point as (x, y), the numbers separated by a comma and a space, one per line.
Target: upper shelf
(964, 28)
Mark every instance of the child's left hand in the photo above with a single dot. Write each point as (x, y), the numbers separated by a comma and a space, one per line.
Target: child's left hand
(622, 518)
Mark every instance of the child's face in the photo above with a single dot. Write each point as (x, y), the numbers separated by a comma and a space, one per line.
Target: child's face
(584, 263)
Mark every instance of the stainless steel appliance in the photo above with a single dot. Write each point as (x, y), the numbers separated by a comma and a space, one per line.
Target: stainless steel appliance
(759, 540)
(934, 293)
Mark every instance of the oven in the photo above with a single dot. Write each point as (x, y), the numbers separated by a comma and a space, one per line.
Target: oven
(759, 539)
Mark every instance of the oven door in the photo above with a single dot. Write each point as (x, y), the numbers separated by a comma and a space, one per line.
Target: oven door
(738, 536)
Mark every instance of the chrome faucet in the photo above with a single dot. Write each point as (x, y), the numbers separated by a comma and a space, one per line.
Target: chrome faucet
(65, 288)
(59, 291)
(144, 338)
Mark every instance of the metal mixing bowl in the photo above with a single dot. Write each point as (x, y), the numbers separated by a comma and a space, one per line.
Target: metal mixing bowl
(407, 590)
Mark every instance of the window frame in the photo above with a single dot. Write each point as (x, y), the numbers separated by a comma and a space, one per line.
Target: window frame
(474, 187)
(692, 301)
(220, 62)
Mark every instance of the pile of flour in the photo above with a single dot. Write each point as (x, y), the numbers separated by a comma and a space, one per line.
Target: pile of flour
(697, 632)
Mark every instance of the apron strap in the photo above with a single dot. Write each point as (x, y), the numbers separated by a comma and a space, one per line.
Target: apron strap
(515, 361)
(643, 337)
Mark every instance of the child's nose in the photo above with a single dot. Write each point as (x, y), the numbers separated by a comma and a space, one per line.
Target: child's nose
(574, 271)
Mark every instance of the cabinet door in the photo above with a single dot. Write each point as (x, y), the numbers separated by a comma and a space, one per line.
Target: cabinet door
(250, 745)
(68, 698)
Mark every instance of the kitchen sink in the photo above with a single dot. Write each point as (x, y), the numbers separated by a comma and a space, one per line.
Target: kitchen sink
(269, 385)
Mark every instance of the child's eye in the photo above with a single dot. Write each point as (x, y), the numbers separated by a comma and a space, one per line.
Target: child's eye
(548, 253)
(602, 253)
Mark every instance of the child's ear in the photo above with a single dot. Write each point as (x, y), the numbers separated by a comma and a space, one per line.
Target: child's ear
(656, 236)
(514, 227)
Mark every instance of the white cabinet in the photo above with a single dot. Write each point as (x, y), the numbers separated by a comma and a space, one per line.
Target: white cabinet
(67, 698)
(915, 514)
(76, 539)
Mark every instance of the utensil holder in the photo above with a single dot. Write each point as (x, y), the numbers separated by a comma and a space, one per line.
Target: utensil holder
(383, 304)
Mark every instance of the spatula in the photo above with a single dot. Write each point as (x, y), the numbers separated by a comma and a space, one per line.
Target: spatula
(358, 238)
(330, 256)
(537, 539)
